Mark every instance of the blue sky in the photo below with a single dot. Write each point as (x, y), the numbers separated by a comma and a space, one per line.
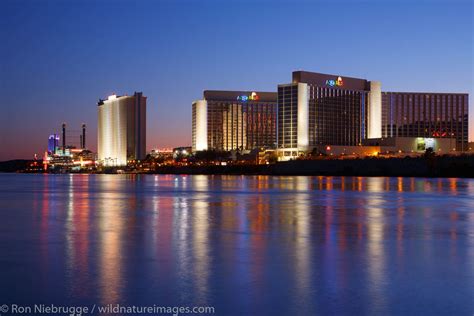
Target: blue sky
(58, 58)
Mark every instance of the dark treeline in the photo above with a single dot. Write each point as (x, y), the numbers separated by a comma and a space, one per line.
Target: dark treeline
(426, 166)
(431, 166)
(14, 165)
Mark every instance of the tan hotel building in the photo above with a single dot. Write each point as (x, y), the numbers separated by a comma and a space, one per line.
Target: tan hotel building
(317, 110)
(234, 120)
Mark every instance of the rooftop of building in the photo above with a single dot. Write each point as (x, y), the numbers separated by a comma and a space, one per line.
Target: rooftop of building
(330, 81)
(113, 97)
(425, 93)
(241, 96)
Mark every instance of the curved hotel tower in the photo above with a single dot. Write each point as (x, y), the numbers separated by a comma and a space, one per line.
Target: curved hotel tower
(121, 129)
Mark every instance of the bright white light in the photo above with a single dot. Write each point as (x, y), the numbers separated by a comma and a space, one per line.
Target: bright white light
(375, 110)
(201, 125)
(112, 136)
(303, 117)
(112, 97)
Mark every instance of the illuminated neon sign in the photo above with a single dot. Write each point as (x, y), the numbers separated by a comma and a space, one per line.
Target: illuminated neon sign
(338, 82)
(253, 96)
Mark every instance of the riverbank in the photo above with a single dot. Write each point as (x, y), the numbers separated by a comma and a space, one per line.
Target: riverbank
(17, 165)
(460, 166)
(431, 166)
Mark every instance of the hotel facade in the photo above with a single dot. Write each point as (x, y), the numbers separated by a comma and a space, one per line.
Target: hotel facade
(121, 129)
(234, 120)
(318, 110)
(427, 115)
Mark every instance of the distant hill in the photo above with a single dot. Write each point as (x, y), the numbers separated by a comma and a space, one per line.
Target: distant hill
(14, 165)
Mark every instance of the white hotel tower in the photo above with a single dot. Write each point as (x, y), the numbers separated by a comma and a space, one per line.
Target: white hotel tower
(121, 129)
(320, 109)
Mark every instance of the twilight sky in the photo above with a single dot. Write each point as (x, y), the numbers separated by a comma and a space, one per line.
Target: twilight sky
(57, 58)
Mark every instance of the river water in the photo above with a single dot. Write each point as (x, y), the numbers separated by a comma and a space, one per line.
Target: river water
(244, 245)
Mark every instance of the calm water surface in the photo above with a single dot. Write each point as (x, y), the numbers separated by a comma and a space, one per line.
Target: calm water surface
(247, 245)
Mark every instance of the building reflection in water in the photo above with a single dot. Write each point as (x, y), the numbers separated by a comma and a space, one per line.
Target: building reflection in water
(376, 258)
(182, 233)
(198, 238)
(200, 265)
(303, 245)
(258, 215)
(77, 230)
(111, 216)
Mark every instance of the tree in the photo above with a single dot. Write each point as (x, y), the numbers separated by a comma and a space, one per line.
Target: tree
(429, 153)
(211, 155)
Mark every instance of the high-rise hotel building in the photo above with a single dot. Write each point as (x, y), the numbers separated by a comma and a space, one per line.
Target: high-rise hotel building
(428, 115)
(318, 109)
(321, 109)
(234, 120)
(121, 129)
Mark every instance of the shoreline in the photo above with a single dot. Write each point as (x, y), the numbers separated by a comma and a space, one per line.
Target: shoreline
(428, 167)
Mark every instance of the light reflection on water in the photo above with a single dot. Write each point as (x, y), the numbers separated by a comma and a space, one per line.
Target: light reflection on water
(244, 244)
